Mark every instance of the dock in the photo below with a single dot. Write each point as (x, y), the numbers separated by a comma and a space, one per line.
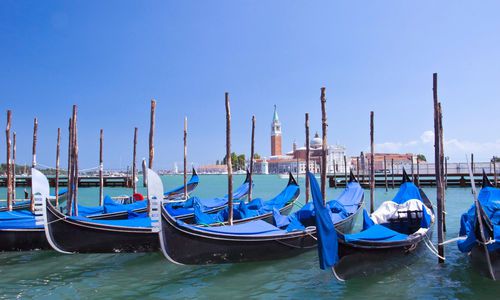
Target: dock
(424, 180)
(83, 181)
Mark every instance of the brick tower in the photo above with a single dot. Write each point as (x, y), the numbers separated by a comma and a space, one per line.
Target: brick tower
(275, 134)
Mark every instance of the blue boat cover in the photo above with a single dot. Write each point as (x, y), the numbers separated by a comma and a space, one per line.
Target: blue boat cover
(407, 191)
(252, 228)
(280, 220)
(377, 233)
(90, 210)
(19, 219)
(327, 235)
(367, 221)
(351, 196)
(489, 198)
(110, 206)
(254, 208)
(132, 222)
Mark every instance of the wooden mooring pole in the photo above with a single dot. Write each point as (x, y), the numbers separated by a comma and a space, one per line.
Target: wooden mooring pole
(228, 160)
(418, 172)
(357, 167)
(441, 155)
(185, 157)
(385, 174)
(372, 158)
(334, 173)
(324, 126)
(439, 178)
(345, 170)
(134, 167)
(392, 172)
(8, 162)
(14, 154)
(58, 154)
(152, 134)
(495, 176)
(101, 170)
(75, 159)
(69, 204)
(33, 162)
(252, 148)
(307, 156)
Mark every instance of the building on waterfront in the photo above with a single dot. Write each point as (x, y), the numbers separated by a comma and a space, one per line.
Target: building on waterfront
(392, 160)
(295, 160)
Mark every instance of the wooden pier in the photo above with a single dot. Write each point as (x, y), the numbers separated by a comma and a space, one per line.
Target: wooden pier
(424, 180)
(83, 181)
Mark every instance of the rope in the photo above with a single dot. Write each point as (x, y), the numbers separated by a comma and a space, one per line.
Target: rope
(459, 238)
(432, 248)
(336, 275)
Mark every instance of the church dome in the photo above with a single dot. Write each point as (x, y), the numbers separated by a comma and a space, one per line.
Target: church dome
(316, 142)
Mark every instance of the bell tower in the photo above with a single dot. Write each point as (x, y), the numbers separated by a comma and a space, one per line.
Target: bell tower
(275, 134)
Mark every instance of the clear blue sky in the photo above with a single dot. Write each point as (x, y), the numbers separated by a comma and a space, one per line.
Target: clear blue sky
(112, 57)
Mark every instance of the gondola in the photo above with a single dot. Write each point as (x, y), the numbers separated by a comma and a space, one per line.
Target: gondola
(258, 240)
(19, 230)
(71, 234)
(483, 245)
(391, 236)
(112, 210)
(178, 193)
(256, 209)
(25, 203)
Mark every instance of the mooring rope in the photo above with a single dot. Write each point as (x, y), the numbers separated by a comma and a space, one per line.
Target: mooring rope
(336, 275)
(459, 238)
(431, 247)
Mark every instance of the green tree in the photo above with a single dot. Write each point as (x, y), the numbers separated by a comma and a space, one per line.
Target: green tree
(256, 156)
(421, 157)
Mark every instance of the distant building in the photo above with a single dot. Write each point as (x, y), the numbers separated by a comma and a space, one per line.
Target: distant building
(397, 160)
(212, 169)
(275, 134)
(295, 160)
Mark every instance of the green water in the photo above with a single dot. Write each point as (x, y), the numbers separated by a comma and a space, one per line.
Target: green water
(49, 275)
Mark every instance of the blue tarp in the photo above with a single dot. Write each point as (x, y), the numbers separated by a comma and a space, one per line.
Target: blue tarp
(367, 221)
(243, 211)
(407, 191)
(489, 198)
(327, 235)
(110, 206)
(377, 233)
(252, 228)
(20, 219)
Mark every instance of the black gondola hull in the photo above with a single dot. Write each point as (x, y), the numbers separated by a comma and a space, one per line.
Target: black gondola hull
(82, 237)
(23, 240)
(186, 246)
(479, 263)
(362, 261)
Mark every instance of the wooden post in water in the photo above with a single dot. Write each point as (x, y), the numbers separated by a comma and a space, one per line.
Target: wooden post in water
(324, 146)
(345, 170)
(101, 170)
(372, 164)
(14, 166)
(357, 167)
(8, 162)
(385, 174)
(33, 162)
(334, 173)
(439, 178)
(307, 157)
(152, 134)
(69, 204)
(252, 148)
(392, 171)
(418, 172)
(441, 157)
(495, 176)
(228, 160)
(446, 173)
(412, 171)
(134, 166)
(185, 158)
(75, 159)
(472, 163)
(58, 153)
